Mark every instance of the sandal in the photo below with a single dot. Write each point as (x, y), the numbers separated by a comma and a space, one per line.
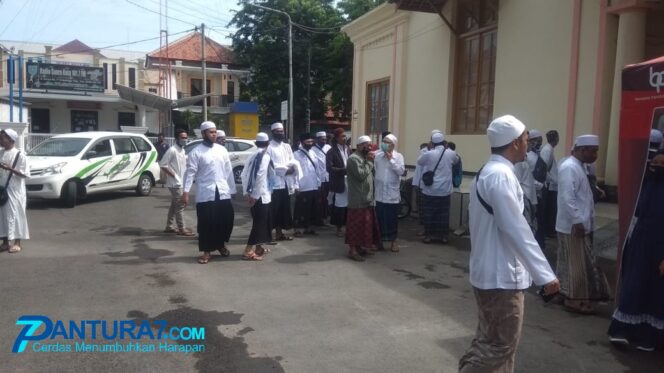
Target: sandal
(224, 251)
(582, 308)
(170, 230)
(204, 259)
(262, 251)
(356, 257)
(4, 247)
(394, 249)
(14, 249)
(426, 240)
(185, 232)
(251, 257)
(283, 237)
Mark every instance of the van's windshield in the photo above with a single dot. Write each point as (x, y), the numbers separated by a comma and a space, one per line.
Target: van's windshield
(59, 147)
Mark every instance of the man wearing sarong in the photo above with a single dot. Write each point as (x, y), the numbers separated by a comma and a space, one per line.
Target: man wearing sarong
(282, 158)
(362, 234)
(436, 197)
(256, 177)
(210, 166)
(582, 283)
(320, 150)
(504, 256)
(13, 219)
(336, 160)
(389, 167)
(307, 199)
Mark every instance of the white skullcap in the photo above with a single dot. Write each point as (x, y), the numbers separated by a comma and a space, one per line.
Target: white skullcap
(435, 132)
(321, 134)
(503, 130)
(221, 133)
(262, 136)
(437, 138)
(363, 139)
(392, 138)
(533, 134)
(207, 125)
(656, 136)
(11, 133)
(586, 140)
(276, 126)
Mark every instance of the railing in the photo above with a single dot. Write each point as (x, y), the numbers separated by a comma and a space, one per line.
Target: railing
(213, 100)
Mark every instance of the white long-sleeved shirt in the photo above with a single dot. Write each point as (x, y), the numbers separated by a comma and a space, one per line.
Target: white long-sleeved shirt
(388, 177)
(524, 173)
(549, 157)
(532, 161)
(575, 198)
(320, 155)
(212, 170)
(311, 172)
(504, 253)
(281, 155)
(442, 179)
(259, 185)
(175, 160)
(417, 176)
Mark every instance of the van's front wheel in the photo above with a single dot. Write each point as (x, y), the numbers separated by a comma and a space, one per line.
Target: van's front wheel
(69, 194)
(144, 186)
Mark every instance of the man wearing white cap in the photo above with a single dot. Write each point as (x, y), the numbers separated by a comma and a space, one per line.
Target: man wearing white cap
(656, 138)
(13, 219)
(283, 160)
(504, 257)
(582, 283)
(436, 184)
(362, 233)
(307, 200)
(320, 150)
(221, 137)
(256, 184)
(210, 166)
(389, 167)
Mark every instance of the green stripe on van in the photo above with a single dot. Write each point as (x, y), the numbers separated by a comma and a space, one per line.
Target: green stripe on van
(90, 167)
(153, 155)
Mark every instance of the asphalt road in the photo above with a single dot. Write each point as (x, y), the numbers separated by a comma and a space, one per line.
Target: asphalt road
(305, 308)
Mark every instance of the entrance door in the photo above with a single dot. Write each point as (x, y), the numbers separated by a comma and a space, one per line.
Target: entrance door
(40, 121)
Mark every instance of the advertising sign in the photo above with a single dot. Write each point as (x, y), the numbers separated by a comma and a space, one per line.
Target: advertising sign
(61, 77)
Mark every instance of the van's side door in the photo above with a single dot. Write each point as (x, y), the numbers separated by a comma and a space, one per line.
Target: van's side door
(124, 160)
(98, 159)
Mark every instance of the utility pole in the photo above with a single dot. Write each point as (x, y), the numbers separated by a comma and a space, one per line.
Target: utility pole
(204, 84)
(290, 67)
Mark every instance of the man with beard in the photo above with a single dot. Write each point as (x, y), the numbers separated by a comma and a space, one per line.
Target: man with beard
(210, 166)
(282, 158)
(335, 161)
(320, 150)
(307, 200)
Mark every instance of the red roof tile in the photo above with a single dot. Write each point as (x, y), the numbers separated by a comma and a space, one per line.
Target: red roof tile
(75, 46)
(188, 48)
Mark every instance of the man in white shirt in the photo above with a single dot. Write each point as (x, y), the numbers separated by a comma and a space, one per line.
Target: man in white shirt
(174, 163)
(320, 149)
(282, 158)
(210, 166)
(504, 258)
(307, 199)
(15, 169)
(582, 283)
(389, 166)
(256, 177)
(550, 191)
(524, 173)
(436, 196)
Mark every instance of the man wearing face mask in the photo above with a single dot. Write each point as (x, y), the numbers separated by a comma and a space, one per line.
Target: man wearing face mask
(362, 233)
(174, 164)
(307, 199)
(282, 157)
(389, 167)
(210, 165)
(320, 150)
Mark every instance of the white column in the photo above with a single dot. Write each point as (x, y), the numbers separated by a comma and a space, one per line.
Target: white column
(141, 116)
(630, 49)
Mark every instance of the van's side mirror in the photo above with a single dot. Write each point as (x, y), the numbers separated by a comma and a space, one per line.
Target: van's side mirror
(90, 154)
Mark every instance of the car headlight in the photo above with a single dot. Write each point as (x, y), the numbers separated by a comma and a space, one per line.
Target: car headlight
(55, 169)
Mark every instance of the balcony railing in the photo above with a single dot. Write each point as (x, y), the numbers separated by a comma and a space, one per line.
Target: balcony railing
(212, 100)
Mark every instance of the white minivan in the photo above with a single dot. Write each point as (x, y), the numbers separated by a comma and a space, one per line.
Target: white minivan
(71, 166)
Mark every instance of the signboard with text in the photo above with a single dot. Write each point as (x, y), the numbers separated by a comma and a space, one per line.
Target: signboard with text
(50, 76)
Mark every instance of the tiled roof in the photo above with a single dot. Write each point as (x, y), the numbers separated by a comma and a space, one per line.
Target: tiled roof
(188, 48)
(74, 46)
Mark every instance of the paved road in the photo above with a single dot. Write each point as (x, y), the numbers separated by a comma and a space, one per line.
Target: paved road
(306, 308)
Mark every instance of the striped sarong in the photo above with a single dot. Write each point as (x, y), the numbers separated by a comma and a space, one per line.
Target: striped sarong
(580, 278)
(436, 215)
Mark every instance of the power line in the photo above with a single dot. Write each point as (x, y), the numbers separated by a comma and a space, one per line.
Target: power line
(159, 13)
(317, 28)
(14, 18)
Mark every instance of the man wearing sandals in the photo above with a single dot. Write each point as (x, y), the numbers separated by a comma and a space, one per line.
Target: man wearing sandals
(174, 163)
(13, 219)
(389, 168)
(504, 256)
(210, 166)
(281, 155)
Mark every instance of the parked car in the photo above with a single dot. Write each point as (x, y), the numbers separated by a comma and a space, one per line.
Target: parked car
(239, 149)
(71, 166)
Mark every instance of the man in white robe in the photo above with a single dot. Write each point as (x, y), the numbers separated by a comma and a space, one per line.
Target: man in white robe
(283, 160)
(307, 200)
(15, 169)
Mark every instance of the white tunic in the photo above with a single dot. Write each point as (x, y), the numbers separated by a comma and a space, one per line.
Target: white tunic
(281, 155)
(175, 159)
(388, 177)
(341, 199)
(504, 253)
(320, 154)
(524, 173)
(311, 172)
(575, 198)
(14, 221)
(211, 168)
(442, 179)
(549, 157)
(260, 185)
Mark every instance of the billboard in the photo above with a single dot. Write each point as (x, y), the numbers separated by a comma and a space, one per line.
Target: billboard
(51, 76)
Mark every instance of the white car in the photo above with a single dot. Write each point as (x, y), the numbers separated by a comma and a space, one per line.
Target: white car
(239, 150)
(71, 166)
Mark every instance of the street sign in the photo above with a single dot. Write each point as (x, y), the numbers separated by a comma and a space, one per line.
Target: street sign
(284, 110)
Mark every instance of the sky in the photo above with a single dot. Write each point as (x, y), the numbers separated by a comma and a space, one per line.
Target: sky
(103, 23)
